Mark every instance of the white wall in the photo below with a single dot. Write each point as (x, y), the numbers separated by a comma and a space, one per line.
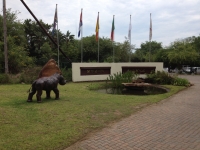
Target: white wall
(115, 67)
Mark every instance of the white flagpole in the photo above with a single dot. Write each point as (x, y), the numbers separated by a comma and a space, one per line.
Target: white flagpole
(81, 36)
(150, 37)
(113, 27)
(57, 36)
(98, 36)
(130, 39)
(5, 37)
(98, 46)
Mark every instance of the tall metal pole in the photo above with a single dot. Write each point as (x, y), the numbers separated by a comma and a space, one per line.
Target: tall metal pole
(149, 51)
(113, 52)
(98, 47)
(57, 37)
(5, 37)
(130, 39)
(113, 40)
(98, 37)
(82, 37)
(44, 29)
(150, 37)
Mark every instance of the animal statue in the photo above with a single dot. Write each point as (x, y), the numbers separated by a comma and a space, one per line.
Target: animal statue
(47, 84)
(49, 69)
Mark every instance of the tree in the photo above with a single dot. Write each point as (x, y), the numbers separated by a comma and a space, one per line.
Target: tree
(182, 53)
(196, 43)
(35, 37)
(17, 55)
(46, 53)
(155, 46)
(143, 51)
(68, 37)
(162, 56)
(123, 51)
(71, 49)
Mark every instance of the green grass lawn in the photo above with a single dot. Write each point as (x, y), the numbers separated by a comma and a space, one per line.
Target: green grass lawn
(56, 124)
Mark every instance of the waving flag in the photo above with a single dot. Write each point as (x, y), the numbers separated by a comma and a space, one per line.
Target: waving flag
(55, 22)
(150, 29)
(97, 28)
(112, 29)
(80, 24)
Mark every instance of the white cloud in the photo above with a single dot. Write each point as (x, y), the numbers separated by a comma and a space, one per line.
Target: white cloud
(171, 19)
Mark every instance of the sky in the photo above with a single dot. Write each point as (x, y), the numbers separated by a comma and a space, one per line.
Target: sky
(171, 19)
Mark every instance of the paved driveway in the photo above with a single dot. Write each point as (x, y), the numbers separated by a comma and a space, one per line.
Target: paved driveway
(173, 124)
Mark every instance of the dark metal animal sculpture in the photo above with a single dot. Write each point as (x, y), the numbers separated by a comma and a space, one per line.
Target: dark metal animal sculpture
(47, 84)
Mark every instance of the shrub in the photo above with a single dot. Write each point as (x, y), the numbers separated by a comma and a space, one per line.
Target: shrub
(165, 78)
(4, 78)
(160, 77)
(29, 75)
(115, 81)
(67, 73)
(180, 82)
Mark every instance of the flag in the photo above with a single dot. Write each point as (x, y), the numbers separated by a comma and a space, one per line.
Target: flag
(80, 24)
(55, 22)
(150, 29)
(97, 28)
(112, 30)
(129, 30)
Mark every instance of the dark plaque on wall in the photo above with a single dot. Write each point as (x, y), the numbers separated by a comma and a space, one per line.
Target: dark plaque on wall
(95, 71)
(139, 69)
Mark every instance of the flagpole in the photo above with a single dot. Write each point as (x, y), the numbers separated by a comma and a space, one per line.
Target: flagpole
(113, 51)
(98, 47)
(150, 51)
(5, 37)
(150, 37)
(98, 36)
(57, 37)
(81, 36)
(130, 40)
(113, 39)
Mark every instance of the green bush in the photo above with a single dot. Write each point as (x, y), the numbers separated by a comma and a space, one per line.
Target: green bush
(4, 78)
(166, 78)
(160, 77)
(29, 75)
(67, 73)
(180, 82)
(115, 81)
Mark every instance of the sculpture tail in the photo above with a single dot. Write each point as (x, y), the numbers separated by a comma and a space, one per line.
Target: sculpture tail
(29, 90)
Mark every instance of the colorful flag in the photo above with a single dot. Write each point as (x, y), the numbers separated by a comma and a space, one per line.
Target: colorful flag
(55, 22)
(112, 30)
(150, 29)
(129, 31)
(97, 28)
(80, 24)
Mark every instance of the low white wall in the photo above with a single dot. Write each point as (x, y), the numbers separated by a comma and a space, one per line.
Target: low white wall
(115, 67)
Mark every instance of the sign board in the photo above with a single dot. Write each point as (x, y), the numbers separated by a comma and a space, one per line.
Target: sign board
(94, 71)
(139, 69)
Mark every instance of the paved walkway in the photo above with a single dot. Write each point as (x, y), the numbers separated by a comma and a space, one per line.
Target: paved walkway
(173, 124)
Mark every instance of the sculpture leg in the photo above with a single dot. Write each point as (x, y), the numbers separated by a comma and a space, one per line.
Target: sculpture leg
(56, 91)
(30, 96)
(39, 93)
(48, 94)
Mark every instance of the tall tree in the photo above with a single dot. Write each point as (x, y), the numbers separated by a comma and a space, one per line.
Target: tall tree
(143, 51)
(182, 53)
(17, 56)
(35, 36)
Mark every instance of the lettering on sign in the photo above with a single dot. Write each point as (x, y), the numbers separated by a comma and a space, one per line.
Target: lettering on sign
(94, 71)
(139, 69)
